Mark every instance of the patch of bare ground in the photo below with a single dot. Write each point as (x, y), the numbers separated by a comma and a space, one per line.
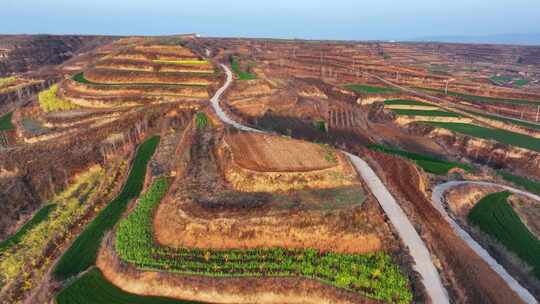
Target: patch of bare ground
(461, 199)
(219, 290)
(529, 212)
(270, 153)
(467, 277)
(257, 162)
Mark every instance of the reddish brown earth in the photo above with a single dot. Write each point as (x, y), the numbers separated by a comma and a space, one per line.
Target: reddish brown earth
(469, 278)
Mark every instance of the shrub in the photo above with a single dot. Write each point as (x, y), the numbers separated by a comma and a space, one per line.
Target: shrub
(49, 102)
(201, 120)
(242, 74)
(5, 122)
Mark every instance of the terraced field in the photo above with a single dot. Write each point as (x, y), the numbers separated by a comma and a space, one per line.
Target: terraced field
(529, 125)
(428, 163)
(476, 98)
(367, 89)
(406, 102)
(373, 275)
(82, 253)
(496, 217)
(528, 184)
(502, 136)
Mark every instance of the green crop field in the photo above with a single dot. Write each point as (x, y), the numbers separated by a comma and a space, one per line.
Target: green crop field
(433, 113)
(529, 125)
(82, 253)
(79, 77)
(428, 163)
(367, 89)
(502, 79)
(242, 75)
(502, 136)
(38, 217)
(406, 102)
(182, 61)
(93, 288)
(530, 185)
(374, 275)
(494, 216)
(520, 82)
(5, 122)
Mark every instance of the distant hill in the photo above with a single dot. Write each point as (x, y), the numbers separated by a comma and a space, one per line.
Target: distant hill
(518, 39)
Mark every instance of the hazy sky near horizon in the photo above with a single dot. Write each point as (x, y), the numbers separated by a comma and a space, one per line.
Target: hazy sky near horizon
(315, 19)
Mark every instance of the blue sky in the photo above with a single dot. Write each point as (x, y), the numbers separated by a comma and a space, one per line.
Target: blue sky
(335, 19)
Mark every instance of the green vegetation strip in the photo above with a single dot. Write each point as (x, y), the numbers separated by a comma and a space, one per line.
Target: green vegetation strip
(82, 253)
(374, 275)
(406, 102)
(433, 113)
(39, 217)
(501, 79)
(522, 123)
(530, 185)
(502, 136)
(93, 288)
(494, 216)
(520, 82)
(242, 75)
(428, 163)
(5, 122)
(366, 89)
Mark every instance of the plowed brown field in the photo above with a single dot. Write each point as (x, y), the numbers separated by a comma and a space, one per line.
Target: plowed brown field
(262, 152)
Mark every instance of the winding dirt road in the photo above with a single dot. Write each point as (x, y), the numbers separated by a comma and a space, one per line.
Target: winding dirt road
(417, 249)
(437, 199)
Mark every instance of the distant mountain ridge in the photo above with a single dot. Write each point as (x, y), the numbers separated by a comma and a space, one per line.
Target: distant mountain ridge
(518, 39)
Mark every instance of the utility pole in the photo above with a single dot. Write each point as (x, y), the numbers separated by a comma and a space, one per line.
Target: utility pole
(446, 87)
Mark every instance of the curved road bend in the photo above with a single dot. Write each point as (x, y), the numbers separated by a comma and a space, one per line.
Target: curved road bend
(418, 250)
(437, 199)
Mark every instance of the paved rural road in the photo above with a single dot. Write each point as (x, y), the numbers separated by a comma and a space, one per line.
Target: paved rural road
(437, 199)
(405, 229)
